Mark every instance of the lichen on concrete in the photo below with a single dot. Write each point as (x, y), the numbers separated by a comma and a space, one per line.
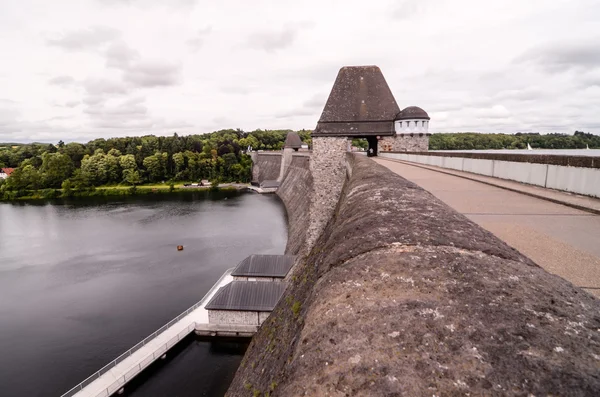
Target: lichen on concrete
(402, 296)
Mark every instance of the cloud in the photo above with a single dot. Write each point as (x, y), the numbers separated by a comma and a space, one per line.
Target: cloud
(237, 89)
(85, 39)
(72, 104)
(100, 87)
(153, 74)
(171, 3)
(120, 56)
(409, 8)
(274, 40)
(196, 42)
(299, 112)
(129, 113)
(63, 81)
(564, 57)
(316, 102)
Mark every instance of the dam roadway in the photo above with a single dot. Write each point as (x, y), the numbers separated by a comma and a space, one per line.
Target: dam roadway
(561, 239)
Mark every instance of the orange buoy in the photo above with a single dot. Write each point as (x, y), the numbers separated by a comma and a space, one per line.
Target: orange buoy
(180, 248)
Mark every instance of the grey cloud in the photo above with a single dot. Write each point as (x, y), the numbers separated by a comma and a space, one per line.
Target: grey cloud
(120, 56)
(272, 41)
(409, 8)
(297, 113)
(123, 124)
(92, 100)
(85, 39)
(526, 94)
(171, 3)
(132, 107)
(222, 120)
(131, 113)
(153, 74)
(316, 102)
(62, 81)
(564, 57)
(310, 107)
(100, 87)
(197, 41)
(72, 104)
(236, 89)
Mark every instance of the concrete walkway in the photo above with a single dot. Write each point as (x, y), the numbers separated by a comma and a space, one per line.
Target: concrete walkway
(113, 377)
(562, 239)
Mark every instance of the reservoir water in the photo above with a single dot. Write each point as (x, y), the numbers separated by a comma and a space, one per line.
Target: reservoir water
(82, 281)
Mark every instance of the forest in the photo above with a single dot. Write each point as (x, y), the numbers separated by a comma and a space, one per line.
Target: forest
(77, 169)
(74, 167)
(478, 141)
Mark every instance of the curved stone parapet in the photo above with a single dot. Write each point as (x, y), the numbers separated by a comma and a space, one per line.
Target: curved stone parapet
(402, 296)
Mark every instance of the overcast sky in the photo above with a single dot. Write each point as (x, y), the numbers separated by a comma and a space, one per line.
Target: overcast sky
(77, 70)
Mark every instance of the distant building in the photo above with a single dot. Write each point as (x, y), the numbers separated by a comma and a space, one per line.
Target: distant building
(5, 172)
(244, 302)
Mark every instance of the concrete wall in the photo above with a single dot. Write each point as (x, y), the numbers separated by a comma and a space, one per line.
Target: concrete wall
(265, 166)
(401, 295)
(578, 180)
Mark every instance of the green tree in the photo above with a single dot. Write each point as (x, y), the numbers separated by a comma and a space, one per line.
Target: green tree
(94, 168)
(67, 187)
(132, 177)
(56, 168)
(25, 177)
(156, 166)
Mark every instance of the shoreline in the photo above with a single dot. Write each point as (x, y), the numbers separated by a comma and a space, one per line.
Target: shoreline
(122, 191)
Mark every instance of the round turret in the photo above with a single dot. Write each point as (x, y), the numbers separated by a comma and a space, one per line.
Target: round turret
(412, 119)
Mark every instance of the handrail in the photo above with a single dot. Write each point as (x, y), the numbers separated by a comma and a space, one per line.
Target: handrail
(146, 340)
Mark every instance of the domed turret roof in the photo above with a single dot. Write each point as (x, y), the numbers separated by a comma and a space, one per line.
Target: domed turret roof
(411, 113)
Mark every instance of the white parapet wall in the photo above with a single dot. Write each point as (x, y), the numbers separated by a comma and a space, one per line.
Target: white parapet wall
(578, 180)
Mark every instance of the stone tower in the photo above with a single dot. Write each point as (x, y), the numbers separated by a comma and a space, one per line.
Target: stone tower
(360, 105)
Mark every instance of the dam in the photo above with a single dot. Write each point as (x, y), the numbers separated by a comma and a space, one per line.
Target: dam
(398, 291)
(404, 277)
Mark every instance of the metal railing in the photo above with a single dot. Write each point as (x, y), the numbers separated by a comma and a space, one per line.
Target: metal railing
(145, 341)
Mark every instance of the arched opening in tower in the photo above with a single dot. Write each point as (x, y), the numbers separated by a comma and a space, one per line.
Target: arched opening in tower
(372, 150)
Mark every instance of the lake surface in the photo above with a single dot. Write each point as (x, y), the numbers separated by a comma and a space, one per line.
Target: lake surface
(552, 152)
(83, 281)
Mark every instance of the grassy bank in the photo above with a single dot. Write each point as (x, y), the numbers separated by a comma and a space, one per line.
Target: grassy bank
(115, 191)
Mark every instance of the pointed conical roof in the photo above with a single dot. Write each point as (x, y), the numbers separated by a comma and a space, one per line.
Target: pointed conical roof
(360, 104)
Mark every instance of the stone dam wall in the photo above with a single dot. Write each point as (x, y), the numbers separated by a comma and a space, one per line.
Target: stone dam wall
(295, 191)
(402, 296)
(266, 166)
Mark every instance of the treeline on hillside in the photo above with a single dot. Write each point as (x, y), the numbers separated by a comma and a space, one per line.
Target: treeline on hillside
(217, 156)
(477, 141)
